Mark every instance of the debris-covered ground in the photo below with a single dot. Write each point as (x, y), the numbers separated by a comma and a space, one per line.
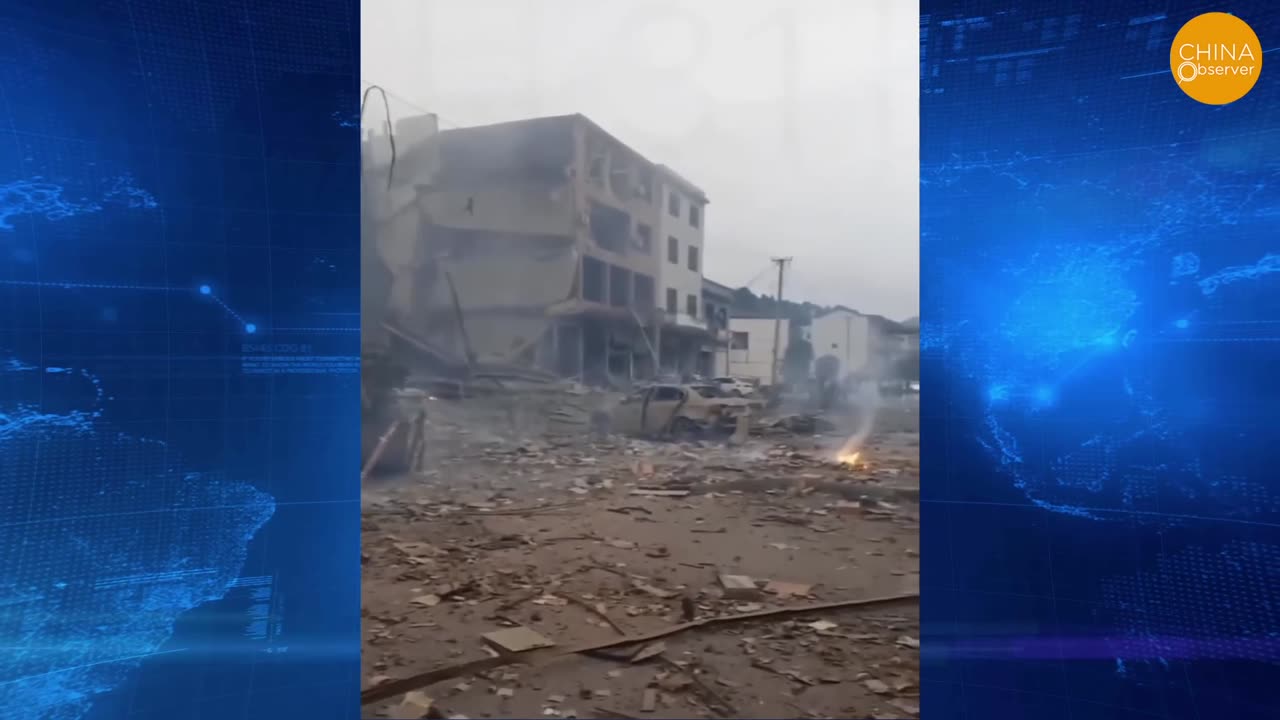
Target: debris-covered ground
(541, 546)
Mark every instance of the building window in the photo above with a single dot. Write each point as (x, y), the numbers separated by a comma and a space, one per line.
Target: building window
(620, 183)
(693, 258)
(673, 303)
(691, 305)
(673, 250)
(593, 279)
(695, 215)
(619, 286)
(643, 287)
(609, 227)
(673, 205)
(741, 341)
(644, 187)
(644, 238)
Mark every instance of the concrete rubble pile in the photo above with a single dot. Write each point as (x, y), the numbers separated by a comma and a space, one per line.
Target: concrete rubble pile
(512, 414)
(533, 568)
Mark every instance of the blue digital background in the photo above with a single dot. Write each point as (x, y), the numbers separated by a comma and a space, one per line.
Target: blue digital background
(1101, 302)
(179, 419)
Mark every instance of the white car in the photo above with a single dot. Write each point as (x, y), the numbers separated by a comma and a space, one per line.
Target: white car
(734, 387)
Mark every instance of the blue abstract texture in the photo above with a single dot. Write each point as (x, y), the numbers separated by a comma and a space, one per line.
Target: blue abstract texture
(179, 458)
(1101, 307)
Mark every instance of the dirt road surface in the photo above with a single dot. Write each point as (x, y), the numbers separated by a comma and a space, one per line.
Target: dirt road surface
(583, 540)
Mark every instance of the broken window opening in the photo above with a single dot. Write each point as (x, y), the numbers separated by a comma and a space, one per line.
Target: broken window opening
(673, 301)
(673, 204)
(693, 258)
(595, 172)
(643, 288)
(644, 185)
(610, 227)
(620, 183)
(673, 251)
(741, 341)
(644, 238)
(619, 286)
(593, 280)
(691, 305)
(695, 215)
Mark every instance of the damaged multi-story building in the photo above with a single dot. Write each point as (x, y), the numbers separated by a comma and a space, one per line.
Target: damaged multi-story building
(532, 243)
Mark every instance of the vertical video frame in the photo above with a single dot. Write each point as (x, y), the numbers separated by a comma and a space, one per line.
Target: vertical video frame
(640, 359)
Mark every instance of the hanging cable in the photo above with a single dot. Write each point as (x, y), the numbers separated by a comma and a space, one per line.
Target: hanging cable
(391, 135)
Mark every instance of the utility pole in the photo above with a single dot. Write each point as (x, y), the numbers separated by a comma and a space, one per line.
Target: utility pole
(781, 262)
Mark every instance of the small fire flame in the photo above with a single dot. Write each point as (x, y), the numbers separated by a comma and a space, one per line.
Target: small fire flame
(848, 459)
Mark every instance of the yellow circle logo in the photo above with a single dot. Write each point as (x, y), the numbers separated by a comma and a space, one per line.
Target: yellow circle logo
(1216, 58)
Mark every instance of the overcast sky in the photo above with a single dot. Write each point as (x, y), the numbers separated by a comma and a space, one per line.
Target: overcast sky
(798, 118)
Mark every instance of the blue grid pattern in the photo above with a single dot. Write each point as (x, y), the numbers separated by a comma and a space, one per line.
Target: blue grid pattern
(179, 427)
(1101, 304)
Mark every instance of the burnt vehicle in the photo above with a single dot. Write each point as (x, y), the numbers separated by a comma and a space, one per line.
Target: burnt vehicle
(679, 410)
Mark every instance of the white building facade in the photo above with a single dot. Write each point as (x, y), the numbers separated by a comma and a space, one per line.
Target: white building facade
(680, 236)
(845, 335)
(866, 346)
(679, 239)
(751, 352)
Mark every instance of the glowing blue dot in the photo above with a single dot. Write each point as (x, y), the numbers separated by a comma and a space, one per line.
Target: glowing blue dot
(997, 392)
(251, 328)
(205, 290)
(1044, 395)
(1182, 323)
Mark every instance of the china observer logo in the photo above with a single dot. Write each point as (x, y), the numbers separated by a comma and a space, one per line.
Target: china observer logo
(1216, 58)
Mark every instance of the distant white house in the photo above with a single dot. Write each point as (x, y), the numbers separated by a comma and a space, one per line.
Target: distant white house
(866, 345)
(751, 347)
(846, 335)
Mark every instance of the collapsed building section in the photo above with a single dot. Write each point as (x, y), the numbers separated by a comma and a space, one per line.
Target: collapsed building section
(527, 244)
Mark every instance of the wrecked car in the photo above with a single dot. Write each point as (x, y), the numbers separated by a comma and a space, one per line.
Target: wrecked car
(679, 410)
(733, 386)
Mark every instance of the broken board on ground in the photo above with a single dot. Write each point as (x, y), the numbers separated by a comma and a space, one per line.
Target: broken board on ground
(517, 639)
